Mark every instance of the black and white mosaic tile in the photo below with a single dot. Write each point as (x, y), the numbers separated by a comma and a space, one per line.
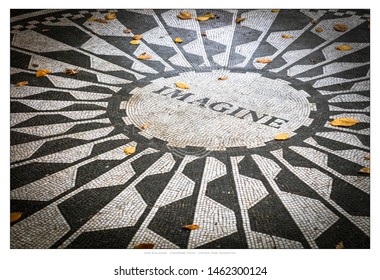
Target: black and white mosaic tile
(207, 156)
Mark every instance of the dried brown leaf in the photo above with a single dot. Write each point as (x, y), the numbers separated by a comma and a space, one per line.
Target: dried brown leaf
(130, 150)
(110, 16)
(191, 227)
(182, 85)
(144, 246)
(224, 77)
(340, 245)
(319, 29)
(134, 42)
(238, 20)
(21, 84)
(364, 170)
(367, 157)
(126, 31)
(343, 48)
(287, 36)
(282, 136)
(35, 65)
(72, 71)
(314, 21)
(203, 34)
(340, 27)
(15, 216)
(178, 40)
(263, 60)
(344, 122)
(41, 73)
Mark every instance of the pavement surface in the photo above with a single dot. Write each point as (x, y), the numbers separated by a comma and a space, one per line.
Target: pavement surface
(205, 155)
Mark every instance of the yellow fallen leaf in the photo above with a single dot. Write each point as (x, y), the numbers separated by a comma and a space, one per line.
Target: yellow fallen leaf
(71, 71)
(275, 11)
(110, 16)
(282, 136)
(144, 56)
(178, 40)
(203, 18)
(21, 84)
(41, 73)
(340, 27)
(319, 29)
(210, 15)
(91, 19)
(367, 157)
(238, 20)
(364, 170)
(182, 85)
(344, 122)
(134, 42)
(340, 245)
(287, 36)
(144, 246)
(101, 20)
(224, 77)
(144, 126)
(343, 48)
(264, 60)
(126, 31)
(184, 15)
(191, 227)
(15, 216)
(130, 150)
(137, 37)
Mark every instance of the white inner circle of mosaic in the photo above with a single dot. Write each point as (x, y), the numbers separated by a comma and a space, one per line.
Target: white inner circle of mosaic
(246, 109)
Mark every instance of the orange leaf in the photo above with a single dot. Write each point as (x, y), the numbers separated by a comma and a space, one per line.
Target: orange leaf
(282, 136)
(21, 84)
(340, 245)
(344, 122)
(264, 60)
(224, 77)
(191, 227)
(340, 27)
(72, 71)
(129, 150)
(41, 73)
(238, 20)
(144, 56)
(15, 216)
(287, 36)
(184, 15)
(110, 16)
(204, 18)
(365, 170)
(319, 29)
(182, 85)
(144, 126)
(137, 37)
(343, 48)
(134, 42)
(144, 246)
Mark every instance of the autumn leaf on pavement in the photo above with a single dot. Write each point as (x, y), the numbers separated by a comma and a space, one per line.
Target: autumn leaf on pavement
(340, 27)
(365, 170)
(343, 48)
(203, 34)
(184, 15)
(344, 122)
(15, 216)
(203, 18)
(367, 157)
(182, 85)
(340, 245)
(144, 126)
(21, 84)
(282, 136)
(126, 31)
(287, 36)
(178, 40)
(72, 71)
(144, 246)
(319, 29)
(191, 227)
(144, 56)
(35, 65)
(210, 15)
(275, 11)
(129, 150)
(239, 20)
(134, 42)
(41, 73)
(110, 16)
(137, 37)
(263, 60)
(224, 77)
